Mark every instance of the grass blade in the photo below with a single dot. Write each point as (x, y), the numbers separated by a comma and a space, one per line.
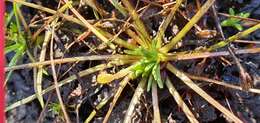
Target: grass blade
(122, 85)
(104, 78)
(117, 40)
(180, 101)
(11, 48)
(140, 27)
(157, 75)
(135, 99)
(222, 83)
(135, 37)
(188, 26)
(165, 24)
(81, 22)
(19, 40)
(200, 54)
(48, 10)
(63, 82)
(55, 79)
(98, 107)
(233, 38)
(156, 110)
(17, 56)
(202, 93)
(38, 83)
(91, 27)
(119, 7)
(73, 59)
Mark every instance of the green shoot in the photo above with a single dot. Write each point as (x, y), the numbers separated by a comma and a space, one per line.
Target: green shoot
(15, 42)
(55, 108)
(234, 22)
(118, 6)
(149, 65)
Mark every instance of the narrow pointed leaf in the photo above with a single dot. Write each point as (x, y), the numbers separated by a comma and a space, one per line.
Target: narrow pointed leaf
(180, 101)
(135, 99)
(202, 93)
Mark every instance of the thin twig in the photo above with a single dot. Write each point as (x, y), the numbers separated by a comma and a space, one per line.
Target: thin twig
(222, 83)
(43, 111)
(56, 81)
(246, 41)
(242, 18)
(246, 80)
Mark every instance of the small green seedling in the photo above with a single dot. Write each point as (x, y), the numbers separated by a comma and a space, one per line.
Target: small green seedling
(149, 65)
(15, 43)
(55, 108)
(234, 22)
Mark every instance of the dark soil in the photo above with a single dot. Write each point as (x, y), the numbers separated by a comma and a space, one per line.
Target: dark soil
(245, 105)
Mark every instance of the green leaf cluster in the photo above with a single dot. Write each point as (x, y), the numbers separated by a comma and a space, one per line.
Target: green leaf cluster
(234, 22)
(148, 66)
(15, 43)
(55, 108)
